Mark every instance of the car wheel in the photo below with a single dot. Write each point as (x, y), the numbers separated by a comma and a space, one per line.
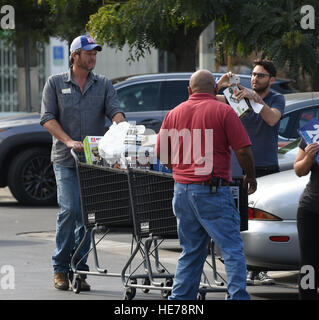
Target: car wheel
(31, 178)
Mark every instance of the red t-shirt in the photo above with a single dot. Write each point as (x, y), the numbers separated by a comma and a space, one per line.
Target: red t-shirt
(199, 133)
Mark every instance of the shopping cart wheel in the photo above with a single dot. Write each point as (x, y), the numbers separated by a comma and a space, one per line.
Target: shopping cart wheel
(201, 296)
(167, 293)
(146, 282)
(129, 293)
(76, 285)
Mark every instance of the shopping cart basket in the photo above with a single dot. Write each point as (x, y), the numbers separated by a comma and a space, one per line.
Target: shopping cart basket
(105, 203)
(153, 220)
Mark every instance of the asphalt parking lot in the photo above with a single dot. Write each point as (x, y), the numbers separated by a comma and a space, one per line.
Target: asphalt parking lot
(27, 242)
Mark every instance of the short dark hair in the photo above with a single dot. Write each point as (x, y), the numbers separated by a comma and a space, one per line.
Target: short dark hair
(267, 65)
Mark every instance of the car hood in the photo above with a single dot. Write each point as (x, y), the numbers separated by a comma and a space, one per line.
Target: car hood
(279, 194)
(19, 120)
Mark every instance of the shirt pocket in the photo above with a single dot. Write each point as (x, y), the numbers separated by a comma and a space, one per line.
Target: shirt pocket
(65, 101)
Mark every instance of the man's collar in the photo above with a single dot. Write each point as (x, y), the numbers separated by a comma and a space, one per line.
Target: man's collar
(69, 78)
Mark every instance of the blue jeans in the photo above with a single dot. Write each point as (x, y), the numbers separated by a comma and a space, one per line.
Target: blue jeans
(202, 216)
(69, 226)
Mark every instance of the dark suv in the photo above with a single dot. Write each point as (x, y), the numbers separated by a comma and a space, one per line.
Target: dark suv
(25, 145)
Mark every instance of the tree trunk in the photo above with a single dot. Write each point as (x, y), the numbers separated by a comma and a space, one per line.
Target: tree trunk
(27, 73)
(184, 49)
(315, 82)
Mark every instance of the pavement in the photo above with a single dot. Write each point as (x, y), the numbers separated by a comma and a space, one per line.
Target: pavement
(27, 242)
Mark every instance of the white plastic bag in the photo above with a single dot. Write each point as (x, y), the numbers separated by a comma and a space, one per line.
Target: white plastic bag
(111, 146)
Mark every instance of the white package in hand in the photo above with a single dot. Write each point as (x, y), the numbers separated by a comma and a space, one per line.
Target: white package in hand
(111, 146)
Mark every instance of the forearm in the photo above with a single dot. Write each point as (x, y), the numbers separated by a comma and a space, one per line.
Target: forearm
(246, 161)
(302, 167)
(270, 115)
(56, 130)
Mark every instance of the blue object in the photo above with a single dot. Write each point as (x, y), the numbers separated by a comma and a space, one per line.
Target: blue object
(310, 133)
(69, 227)
(85, 43)
(202, 216)
(158, 166)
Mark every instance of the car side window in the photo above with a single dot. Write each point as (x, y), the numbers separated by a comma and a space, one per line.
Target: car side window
(139, 97)
(174, 92)
(307, 115)
(287, 126)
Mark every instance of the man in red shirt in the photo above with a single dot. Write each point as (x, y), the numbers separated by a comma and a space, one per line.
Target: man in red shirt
(195, 140)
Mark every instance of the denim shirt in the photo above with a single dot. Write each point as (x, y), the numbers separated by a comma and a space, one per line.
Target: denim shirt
(80, 113)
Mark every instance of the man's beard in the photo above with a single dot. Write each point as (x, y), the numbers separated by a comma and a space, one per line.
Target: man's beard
(80, 65)
(263, 89)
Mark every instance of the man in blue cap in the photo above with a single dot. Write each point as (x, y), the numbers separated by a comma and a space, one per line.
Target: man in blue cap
(74, 105)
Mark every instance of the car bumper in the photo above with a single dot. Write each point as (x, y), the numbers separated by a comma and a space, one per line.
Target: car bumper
(262, 252)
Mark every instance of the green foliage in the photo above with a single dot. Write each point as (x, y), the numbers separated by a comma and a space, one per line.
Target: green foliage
(162, 24)
(273, 28)
(71, 16)
(32, 20)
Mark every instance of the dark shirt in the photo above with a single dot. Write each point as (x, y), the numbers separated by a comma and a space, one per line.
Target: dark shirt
(80, 114)
(264, 138)
(309, 199)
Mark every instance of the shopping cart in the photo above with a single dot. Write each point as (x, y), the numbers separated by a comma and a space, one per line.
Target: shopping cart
(105, 203)
(113, 197)
(153, 220)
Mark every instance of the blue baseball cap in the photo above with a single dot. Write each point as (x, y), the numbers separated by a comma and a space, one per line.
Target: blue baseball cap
(85, 43)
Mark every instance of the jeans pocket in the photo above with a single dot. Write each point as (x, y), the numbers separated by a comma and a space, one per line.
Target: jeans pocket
(209, 206)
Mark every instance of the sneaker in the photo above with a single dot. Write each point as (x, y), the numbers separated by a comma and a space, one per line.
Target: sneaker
(61, 281)
(262, 278)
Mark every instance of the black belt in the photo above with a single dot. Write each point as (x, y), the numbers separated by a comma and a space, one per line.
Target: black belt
(214, 181)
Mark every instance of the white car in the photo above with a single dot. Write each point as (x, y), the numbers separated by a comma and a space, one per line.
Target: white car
(271, 241)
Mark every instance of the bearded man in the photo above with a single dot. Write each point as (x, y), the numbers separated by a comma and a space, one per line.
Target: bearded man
(262, 128)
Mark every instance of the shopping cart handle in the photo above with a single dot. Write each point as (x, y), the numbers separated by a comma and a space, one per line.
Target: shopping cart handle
(74, 155)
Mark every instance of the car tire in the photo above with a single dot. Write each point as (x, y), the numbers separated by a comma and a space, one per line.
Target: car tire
(31, 178)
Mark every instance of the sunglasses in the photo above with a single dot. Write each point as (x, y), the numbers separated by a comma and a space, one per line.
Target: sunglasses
(260, 75)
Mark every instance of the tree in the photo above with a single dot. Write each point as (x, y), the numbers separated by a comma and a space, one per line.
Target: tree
(32, 20)
(37, 20)
(274, 28)
(170, 25)
(33, 23)
(71, 16)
